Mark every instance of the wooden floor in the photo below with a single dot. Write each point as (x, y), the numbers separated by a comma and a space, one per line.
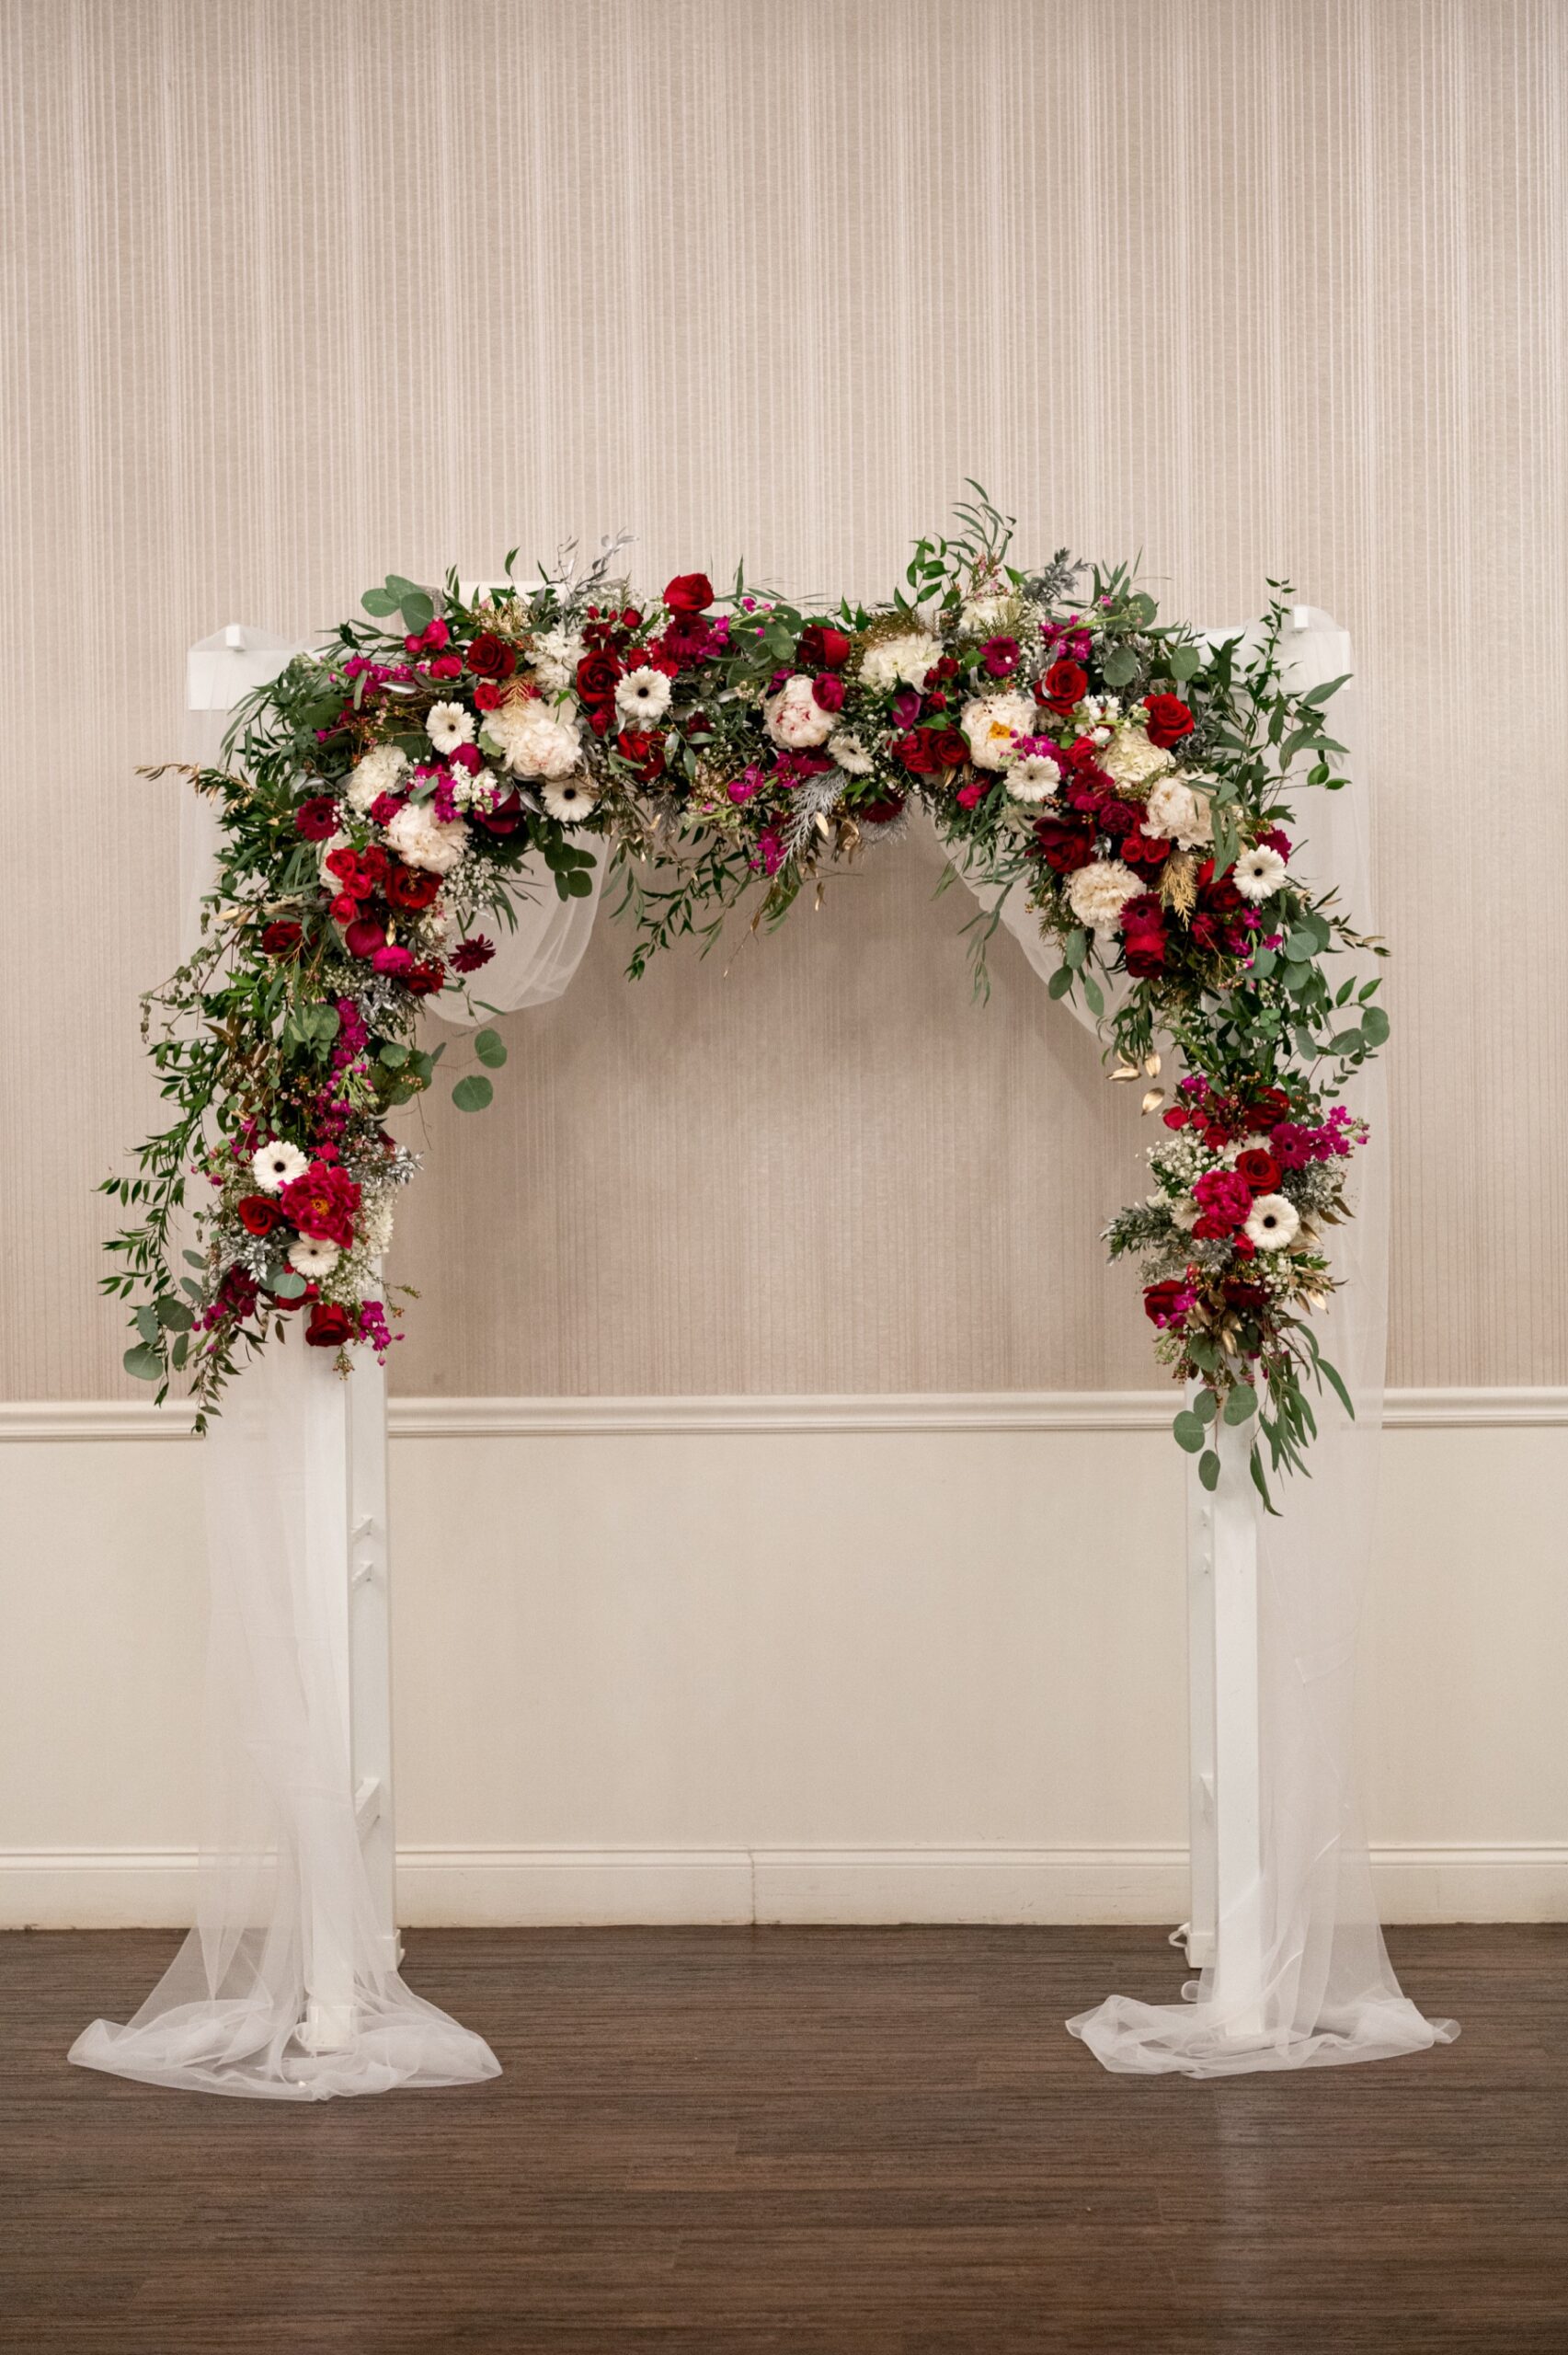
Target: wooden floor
(820, 2141)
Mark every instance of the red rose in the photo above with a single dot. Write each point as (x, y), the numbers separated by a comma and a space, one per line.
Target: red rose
(917, 750)
(386, 806)
(828, 692)
(1169, 720)
(281, 939)
(1140, 849)
(597, 674)
(258, 1215)
(1260, 1169)
(1064, 848)
(490, 657)
(644, 748)
(1271, 1104)
(364, 937)
(317, 818)
(412, 888)
(951, 746)
(487, 695)
(821, 648)
(504, 819)
(1064, 686)
(423, 981)
(689, 593)
(331, 1325)
(1159, 1300)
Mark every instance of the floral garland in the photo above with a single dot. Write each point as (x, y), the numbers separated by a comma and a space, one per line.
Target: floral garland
(1128, 780)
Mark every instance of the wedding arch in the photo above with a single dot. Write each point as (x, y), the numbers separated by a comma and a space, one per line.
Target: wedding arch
(419, 815)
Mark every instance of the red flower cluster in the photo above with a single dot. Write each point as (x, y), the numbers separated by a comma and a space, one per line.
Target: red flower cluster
(323, 1203)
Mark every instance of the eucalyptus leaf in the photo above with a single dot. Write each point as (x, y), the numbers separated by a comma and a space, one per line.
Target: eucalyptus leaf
(490, 1048)
(1119, 667)
(1060, 982)
(1209, 1470)
(1241, 1405)
(144, 1363)
(472, 1095)
(288, 1286)
(1374, 1026)
(1189, 1432)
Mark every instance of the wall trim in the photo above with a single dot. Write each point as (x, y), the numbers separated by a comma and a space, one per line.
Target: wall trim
(544, 1888)
(971, 1410)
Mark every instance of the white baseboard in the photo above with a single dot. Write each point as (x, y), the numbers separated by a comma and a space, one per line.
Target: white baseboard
(854, 1412)
(540, 1887)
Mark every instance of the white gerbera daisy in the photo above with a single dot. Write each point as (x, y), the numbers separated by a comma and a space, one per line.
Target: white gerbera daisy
(277, 1165)
(1274, 1223)
(311, 1256)
(1033, 778)
(850, 753)
(643, 696)
(448, 725)
(1098, 893)
(1259, 873)
(377, 774)
(569, 802)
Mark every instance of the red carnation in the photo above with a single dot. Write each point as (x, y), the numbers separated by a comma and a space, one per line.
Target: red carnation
(469, 954)
(317, 818)
(412, 888)
(331, 1325)
(1260, 1169)
(1064, 686)
(1161, 1301)
(1169, 720)
(490, 657)
(281, 939)
(644, 749)
(258, 1215)
(689, 593)
(821, 648)
(1000, 656)
(827, 691)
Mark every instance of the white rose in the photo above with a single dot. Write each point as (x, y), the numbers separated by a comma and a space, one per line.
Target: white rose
(898, 662)
(421, 839)
(795, 718)
(534, 742)
(377, 774)
(1098, 893)
(1179, 814)
(990, 723)
(1131, 759)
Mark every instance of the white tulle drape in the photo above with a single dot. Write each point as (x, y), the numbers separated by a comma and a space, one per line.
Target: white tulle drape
(282, 1886)
(1329, 1993)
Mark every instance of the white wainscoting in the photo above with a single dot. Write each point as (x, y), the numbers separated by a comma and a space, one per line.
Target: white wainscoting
(725, 1659)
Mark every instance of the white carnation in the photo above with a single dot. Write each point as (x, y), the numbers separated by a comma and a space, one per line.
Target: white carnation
(555, 657)
(898, 662)
(421, 839)
(795, 718)
(568, 803)
(448, 725)
(990, 723)
(1178, 813)
(377, 774)
(312, 1255)
(1274, 1223)
(850, 753)
(1259, 873)
(1132, 760)
(1098, 893)
(642, 697)
(276, 1165)
(534, 740)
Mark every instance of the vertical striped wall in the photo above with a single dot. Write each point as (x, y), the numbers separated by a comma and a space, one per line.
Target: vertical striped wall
(300, 290)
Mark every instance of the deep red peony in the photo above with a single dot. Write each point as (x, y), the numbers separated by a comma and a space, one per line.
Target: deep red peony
(1064, 687)
(317, 818)
(490, 657)
(1169, 720)
(689, 593)
(258, 1215)
(323, 1203)
(331, 1325)
(411, 887)
(281, 939)
(882, 812)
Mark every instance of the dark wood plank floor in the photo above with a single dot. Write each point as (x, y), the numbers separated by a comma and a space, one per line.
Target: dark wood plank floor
(827, 2142)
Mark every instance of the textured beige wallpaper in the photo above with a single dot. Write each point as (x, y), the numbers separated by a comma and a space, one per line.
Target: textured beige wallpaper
(300, 290)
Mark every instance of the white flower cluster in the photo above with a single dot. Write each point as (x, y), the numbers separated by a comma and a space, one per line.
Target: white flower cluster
(898, 662)
(990, 723)
(556, 654)
(379, 772)
(534, 740)
(793, 717)
(421, 839)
